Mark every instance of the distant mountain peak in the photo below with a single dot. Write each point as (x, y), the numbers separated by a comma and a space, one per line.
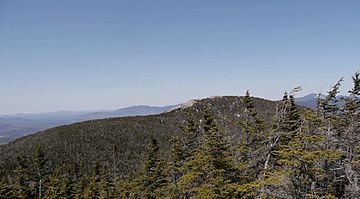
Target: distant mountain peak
(187, 104)
(310, 100)
(310, 96)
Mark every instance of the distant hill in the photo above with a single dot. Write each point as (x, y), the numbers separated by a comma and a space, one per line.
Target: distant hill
(18, 125)
(310, 100)
(93, 141)
(129, 111)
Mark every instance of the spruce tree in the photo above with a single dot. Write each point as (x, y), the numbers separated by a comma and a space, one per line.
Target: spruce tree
(151, 180)
(57, 185)
(62, 182)
(80, 187)
(251, 152)
(125, 189)
(349, 142)
(22, 178)
(40, 171)
(300, 162)
(93, 188)
(183, 147)
(106, 185)
(300, 156)
(208, 172)
(6, 190)
(333, 128)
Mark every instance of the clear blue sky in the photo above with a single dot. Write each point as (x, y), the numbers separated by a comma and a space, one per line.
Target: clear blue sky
(83, 54)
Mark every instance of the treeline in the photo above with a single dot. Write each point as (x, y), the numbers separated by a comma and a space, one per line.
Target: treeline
(300, 154)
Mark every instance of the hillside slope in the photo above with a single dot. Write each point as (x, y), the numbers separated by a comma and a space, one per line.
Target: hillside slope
(94, 141)
(18, 125)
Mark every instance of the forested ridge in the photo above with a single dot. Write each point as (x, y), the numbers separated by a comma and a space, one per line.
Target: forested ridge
(226, 147)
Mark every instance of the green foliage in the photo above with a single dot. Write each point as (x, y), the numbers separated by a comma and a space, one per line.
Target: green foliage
(182, 148)
(40, 171)
(6, 190)
(22, 178)
(209, 169)
(152, 179)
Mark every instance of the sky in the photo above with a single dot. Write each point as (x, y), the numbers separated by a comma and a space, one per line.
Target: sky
(93, 55)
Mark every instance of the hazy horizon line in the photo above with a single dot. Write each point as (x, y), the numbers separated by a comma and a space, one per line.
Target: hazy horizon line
(134, 105)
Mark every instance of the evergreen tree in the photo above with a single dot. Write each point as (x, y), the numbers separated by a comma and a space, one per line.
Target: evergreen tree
(62, 182)
(56, 185)
(93, 189)
(40, 171)
(301, 156)
(80, 186)
(175, 165)
(251, 157)
(152, 179)
(251, 143)
(301, 160)
(182, 148)
(125, 189)
(106, 186)
(6, 190)
(350, 139)
(333, 127)
(22, 178)
(191, 139)
(208, 172)
(328, 107)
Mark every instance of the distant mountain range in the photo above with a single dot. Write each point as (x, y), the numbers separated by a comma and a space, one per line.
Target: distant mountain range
(18, 125)
(128, 111)
(310, 100)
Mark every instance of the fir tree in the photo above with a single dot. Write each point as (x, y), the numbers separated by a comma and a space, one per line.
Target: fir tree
(349, 142)
(56, 185)
(152, 179)
(182, 148)
(251, 152)
(80, 186)
(6, 190)
(40, 171)
(332, 127)
(300, 157)
(93, 189)
(62, 182)
(106, 186)
(125, 189)
(300, 162)
(208, 172)
(22, 178)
